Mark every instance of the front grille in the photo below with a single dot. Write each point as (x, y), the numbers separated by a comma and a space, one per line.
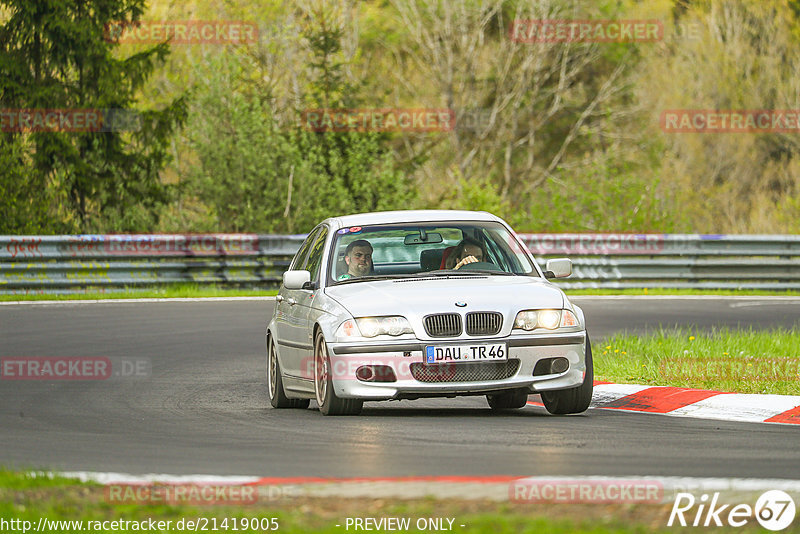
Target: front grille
(464, 372)
(484, 323)
(443, 325)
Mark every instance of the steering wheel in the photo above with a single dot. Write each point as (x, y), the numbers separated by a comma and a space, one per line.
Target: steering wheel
(480, 266)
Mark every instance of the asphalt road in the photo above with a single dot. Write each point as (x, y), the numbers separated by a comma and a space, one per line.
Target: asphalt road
(202, 407)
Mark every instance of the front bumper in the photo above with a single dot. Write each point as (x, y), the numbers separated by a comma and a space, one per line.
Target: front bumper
(399, 355)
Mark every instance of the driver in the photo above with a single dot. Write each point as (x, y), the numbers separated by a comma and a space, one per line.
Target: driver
(467, 251)
(358, 257)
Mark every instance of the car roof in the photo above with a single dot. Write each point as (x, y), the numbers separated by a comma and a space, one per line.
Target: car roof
(409, 216)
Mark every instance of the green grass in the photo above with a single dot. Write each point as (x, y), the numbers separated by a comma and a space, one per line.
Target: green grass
(170, 291)
(27, 498)
(743, 361)
(12, 480)
(679, 292)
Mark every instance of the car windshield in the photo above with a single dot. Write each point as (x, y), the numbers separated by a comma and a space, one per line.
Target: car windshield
(426, 249)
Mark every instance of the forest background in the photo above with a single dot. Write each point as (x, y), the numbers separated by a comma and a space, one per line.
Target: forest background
(558, 136)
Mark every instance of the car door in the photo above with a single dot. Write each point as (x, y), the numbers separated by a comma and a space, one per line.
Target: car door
(306, 309)
(288, 333)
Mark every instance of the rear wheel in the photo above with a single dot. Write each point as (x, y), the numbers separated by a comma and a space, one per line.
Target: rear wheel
(510, 400)
(572, 400)
(329, 403)
(277, 396)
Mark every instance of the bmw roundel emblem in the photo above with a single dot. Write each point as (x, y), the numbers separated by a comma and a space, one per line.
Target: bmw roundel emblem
(461, 304)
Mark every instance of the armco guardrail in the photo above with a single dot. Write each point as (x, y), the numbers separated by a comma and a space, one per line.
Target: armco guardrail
(56, 264)
(622, 261)
(60, 264)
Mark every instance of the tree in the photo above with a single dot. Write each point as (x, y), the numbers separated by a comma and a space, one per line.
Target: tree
(258, 168)
(57, 55)
(742, 56)
(24, 203)
(521, 108)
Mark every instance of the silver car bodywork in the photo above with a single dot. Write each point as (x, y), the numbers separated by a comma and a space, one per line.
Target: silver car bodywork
(304, 315)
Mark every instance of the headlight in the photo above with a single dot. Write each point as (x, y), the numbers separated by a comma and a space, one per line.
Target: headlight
(369, 326)
(548, 319)
(374, 326)
(526, 320)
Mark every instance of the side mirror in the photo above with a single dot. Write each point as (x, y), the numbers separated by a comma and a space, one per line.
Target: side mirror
(558, 268)
(296, 279)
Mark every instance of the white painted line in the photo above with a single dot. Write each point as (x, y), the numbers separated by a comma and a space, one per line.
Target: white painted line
(690, 483)
(731, 489)
(128, 301)
(763, 303)
(125, 478)
(739, 407)
(439, 490)
(684, 297)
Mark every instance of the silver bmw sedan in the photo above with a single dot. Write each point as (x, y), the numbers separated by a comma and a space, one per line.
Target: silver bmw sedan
(412, 304)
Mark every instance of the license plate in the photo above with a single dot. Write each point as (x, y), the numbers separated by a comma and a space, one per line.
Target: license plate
(466, 353)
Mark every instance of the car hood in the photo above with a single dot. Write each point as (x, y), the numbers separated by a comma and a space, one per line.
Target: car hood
(386, 297)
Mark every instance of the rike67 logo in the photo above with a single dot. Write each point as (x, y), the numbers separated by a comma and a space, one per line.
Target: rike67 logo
(774, 510)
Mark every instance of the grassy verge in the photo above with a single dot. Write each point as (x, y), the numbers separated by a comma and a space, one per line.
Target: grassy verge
(743, 361)
(681, 292)
(170, 291)
(25, 498)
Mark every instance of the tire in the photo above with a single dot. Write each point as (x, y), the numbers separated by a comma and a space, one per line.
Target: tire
(573, 400)
(277, 395)
(329, 403)
(510, 400)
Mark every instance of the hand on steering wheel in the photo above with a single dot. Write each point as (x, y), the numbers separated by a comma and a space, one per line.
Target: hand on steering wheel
(468, 259)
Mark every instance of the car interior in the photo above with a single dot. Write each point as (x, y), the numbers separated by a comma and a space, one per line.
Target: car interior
(412, 251)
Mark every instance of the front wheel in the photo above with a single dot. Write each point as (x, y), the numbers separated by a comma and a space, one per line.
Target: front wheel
(510, 400)
(572, 400)
(329, 403)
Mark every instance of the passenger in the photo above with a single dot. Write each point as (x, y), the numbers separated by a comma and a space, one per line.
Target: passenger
(358, 257)
(467, 251)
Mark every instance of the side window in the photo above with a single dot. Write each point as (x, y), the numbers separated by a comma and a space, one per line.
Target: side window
(315, 256)
(300, 258)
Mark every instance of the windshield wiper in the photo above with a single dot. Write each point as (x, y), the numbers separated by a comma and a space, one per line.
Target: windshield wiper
(369, 278)
(490, 271)
(470, 272)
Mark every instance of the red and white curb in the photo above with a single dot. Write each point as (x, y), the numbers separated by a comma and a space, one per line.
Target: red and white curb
(698, 403)
(589, 489)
